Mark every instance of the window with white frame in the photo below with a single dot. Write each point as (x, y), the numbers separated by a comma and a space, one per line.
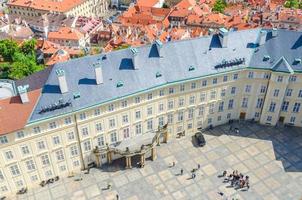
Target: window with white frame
(85, 131)
(248, 88)
(74, 150)
(9, 155)
(52, 125)
(126, 132)
(30, 165)
(289, 92)
(70, 136)
(233, 90)
(111, 123)
(292, 119)
(192, 100)
(1, 176)
(20, 134)
(244, 102)
(138, 129)
(214, 81)
(225, 78)
(3, 140)
(14, 169)
(41, 145)
(45, 160)
(190, 125)
(213, 94)
(56, 140)
(171, 90)
(170, 104)
(113, 137)
(97, 112)
(149, 124)
(284, 106)
(276, 93)
(272, 107)
(250, 75)
(229, 116)
(262, 89)
(3, 188)
(292, 78)
(67, 120)
(76, 163)
(98, 127)
(87, 145)
(182, 87)
(161, 121)
(269, 118)
(279, 78)
(60, 155)
(193, 85)
(149, 96)
(137, 114)
(125, 119)
(149, 111)
(34, 178)
(257, 114)
(296, 107)
(170, 118)
(201, 111)
(204, 83)
(190, 113)
(231, 104)
(110, 107)
(124, 104)
(37, 130)
(137, 99)
(209, 121)
(203, 97)
(222, 93)
(48, 173)
(235, 76)
(181, 101)
(82, 116)
(300, 94)
(180, 116)
(211, 108)
(259, 102)
(25, 150)
(161, 93)
(161, 107)
(220, 106)
(100, 140)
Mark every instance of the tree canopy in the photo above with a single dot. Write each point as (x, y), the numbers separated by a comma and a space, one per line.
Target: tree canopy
(19, 61)
(219, 6)
(293, 4)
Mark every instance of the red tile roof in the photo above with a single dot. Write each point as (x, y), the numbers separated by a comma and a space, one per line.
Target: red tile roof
(66, 33)
(14, 114)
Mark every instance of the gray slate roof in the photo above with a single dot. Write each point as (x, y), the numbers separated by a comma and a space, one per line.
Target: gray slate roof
(177, 57)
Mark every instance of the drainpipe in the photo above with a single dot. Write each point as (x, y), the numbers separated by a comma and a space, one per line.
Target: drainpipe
(79, 142)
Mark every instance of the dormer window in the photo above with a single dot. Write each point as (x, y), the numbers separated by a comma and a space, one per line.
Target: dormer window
(297, 61)
(191, 68)
(76, 95)
(158, 74)
(119, 84)
(266, 57)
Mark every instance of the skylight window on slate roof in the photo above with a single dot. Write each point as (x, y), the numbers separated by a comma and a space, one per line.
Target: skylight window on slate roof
(76, 95)
(119, 84)
(191, 68)
(158, 74)
(266, 57)
(297, 61)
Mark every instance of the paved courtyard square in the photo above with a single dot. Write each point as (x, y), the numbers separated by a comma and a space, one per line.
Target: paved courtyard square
(271, 157)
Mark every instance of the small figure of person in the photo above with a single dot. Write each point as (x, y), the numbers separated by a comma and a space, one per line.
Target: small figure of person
(181, 171)
(198, 166)
(173, 164)
(117, 197)
(224, 173)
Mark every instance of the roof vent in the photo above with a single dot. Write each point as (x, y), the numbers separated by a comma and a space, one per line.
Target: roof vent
(23, 93)
(223, 37)
(191, 68)
(158, 74)
(104, 57)
(274, 32)
(134, 52)
(76, 95)
(119, 84)
(261, 38)
(266, 57)
(98, 73)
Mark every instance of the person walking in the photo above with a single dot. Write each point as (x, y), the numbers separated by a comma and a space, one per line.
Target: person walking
(198, 166)
(181, 171)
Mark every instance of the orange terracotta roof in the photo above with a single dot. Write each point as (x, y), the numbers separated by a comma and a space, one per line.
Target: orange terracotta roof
(48, 5)
(66, 33)
(147, 3)
(14, 114)
(48, 47)
(59, 56)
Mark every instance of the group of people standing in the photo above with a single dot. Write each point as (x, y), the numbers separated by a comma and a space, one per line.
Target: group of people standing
(237, 179)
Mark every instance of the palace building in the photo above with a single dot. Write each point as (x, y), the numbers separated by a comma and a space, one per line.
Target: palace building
(102, 107)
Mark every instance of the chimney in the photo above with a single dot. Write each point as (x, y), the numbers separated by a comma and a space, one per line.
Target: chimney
(159, 46)
(22, 89)
(62, 80)
(274, 32)
(262, 37)
(223, 37)
(134, 52)
(98, 73)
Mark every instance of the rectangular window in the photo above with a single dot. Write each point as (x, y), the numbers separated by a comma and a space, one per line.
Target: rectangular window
(248, 88)
(56, 140)
(235, 76)
(36, 130)
(149, 96)
(193, 85)
(138, 129)
(70, 136)
(262, 89)
(161, 107)
(9, 155)
(209, 120)
(272, 107)
(170, 118)
(257, 114)
(161, 121)
(220, 106)
(161, 93)
(269, 118)
(124, 104)
(41, 145)
(137, 99)
(98, 127)
(213, 94)
(211, 108)
(67, 120)
(14, 169)
(1, 176)
(219, 118)
(284, 106)
(111, 123)
(279, 78)
(125, 119)
(292, 119)
(82, 116)
(52, 125)
(233, 90)
(85, 131)
(87, 145)
(229, 116)
(182, 87)
(97, 112)
(204, 83)
(25, 150)
(266, 76)
(244, 102)
(296, 107)
(192, 100)
(225, 78)
(126, 133)
(276, 92)
(170, 104)
(203, 97)
(181, 102)
(222, 93)
(74, 150)
(138, 114)
(289, 92)
(110, 107)
(191, 113)
(259, 103)
(45, 160)
(292, 78)
(149, 124)
(180, 116)
(250, 75)
(20, 134)
(149, 111)
(100, 141)
(231, 104)
(201, 111)
(214, 81)
(300, 94)
(171, 90)
(60, 155)
(3, 140)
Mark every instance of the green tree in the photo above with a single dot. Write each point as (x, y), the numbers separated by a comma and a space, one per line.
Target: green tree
(29, 46)
(219, 6)
(292, 4)
(7, 49)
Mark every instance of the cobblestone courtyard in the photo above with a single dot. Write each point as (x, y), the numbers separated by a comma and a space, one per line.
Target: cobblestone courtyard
(271, 157)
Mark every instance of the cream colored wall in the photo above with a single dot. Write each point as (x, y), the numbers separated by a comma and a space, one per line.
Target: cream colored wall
(47, 135)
